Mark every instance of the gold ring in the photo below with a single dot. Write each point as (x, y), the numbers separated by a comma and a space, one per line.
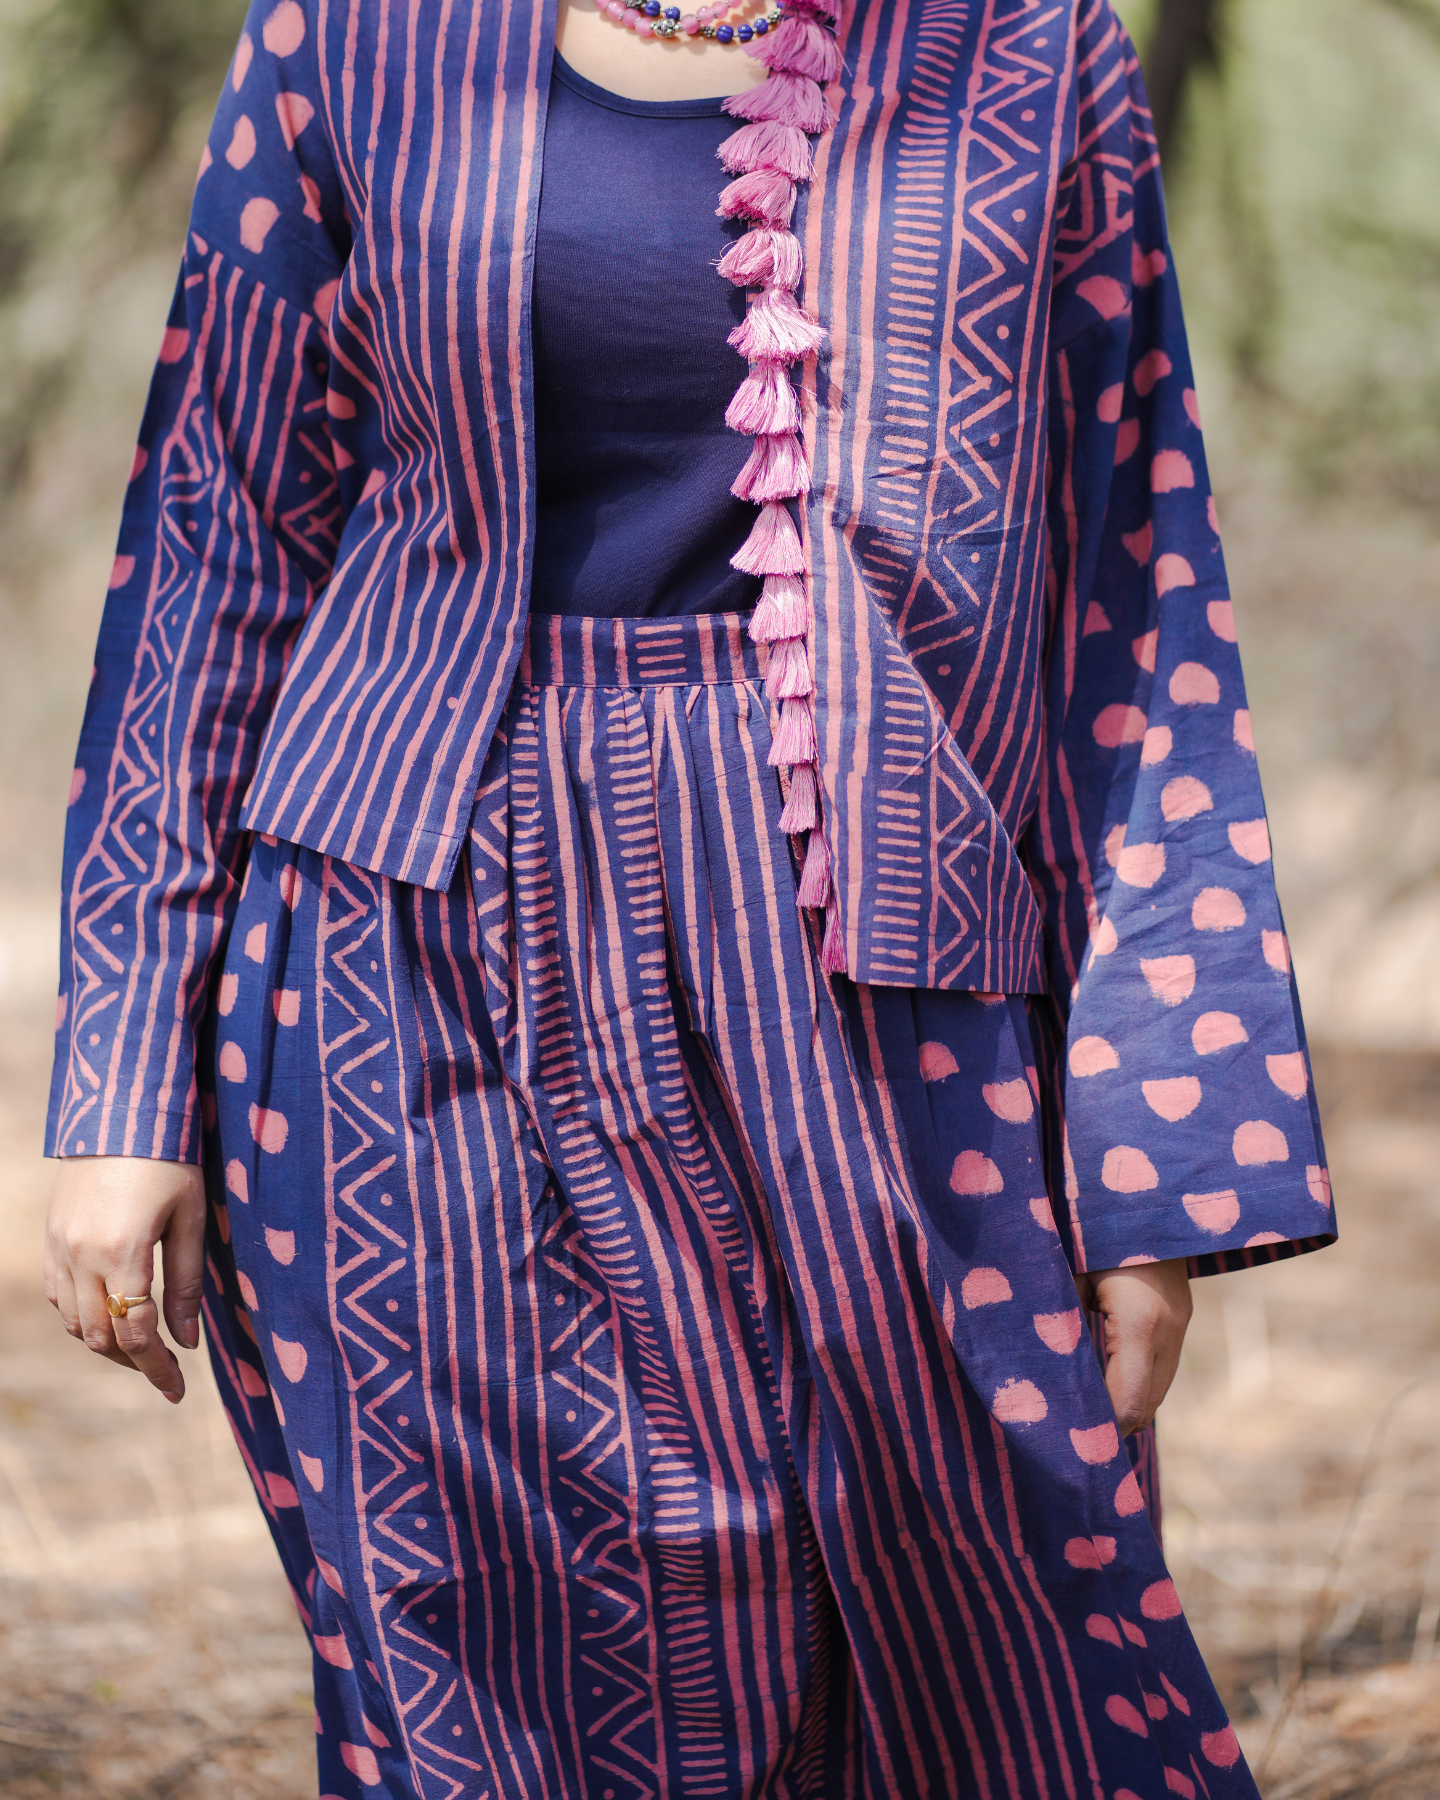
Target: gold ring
(118, 1305)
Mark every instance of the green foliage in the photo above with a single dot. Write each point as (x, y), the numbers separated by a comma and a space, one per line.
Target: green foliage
(103, 106)
(1308, 236)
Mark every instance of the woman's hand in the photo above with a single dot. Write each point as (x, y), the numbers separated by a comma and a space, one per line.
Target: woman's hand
(1146, 1307)
(107, 1214)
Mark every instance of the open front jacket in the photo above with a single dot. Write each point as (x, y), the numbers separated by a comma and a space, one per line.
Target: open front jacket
(1036, 760)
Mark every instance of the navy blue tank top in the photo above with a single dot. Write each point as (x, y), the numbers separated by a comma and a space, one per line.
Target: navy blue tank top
(633, 460)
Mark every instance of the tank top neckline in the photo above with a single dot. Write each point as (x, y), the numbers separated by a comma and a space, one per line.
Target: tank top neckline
(711, 107)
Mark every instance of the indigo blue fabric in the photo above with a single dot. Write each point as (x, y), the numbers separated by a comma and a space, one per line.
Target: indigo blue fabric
(633, 460)
(659, 1367)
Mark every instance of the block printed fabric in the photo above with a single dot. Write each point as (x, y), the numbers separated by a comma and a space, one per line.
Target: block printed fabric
(659, 1364)
(1036, 756)
(841, 1508)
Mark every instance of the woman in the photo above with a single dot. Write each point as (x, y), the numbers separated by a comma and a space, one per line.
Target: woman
(645, 1303)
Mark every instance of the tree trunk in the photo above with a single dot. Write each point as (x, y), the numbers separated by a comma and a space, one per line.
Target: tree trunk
(1183, 38)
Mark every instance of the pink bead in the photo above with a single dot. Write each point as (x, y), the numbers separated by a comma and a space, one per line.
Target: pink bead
(644, 28)
(706, 15)
(690, 25)
(632, 18)
(615, 11)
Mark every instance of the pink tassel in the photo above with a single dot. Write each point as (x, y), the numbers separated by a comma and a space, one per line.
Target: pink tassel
(764, 402)
(782, 612)
(802, 809)
(832, 950)
(794, 739)
(775, 470)
(765, 195)
(787, 676)
(788, 99)
(798, 46)
(773, 546)
(764, 258)
(767, 145)
(775, 329)
(824, 9)
(815, 876)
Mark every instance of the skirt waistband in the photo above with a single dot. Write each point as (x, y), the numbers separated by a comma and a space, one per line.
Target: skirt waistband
(693, 650)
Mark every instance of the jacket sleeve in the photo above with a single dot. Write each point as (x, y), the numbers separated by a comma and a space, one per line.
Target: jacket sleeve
(1183, 1114)
(228, 532)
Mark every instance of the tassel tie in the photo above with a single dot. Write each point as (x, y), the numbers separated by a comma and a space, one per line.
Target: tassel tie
(768, 157)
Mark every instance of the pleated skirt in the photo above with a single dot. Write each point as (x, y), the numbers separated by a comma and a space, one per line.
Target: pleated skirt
(656, 1359)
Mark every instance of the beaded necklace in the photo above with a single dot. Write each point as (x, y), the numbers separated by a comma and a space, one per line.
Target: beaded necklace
(768, 157)
(648, 18)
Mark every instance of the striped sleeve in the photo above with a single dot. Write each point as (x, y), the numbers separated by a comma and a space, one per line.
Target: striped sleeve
(1188, 1124)
(228, 532)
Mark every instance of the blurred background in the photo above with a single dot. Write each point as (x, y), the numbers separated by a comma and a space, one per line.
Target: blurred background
(148, 1647)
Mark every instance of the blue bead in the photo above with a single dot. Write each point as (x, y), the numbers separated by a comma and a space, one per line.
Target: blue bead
(761, 27)
(651, 9)
(672, 12)
(725, 33)
(744, 33)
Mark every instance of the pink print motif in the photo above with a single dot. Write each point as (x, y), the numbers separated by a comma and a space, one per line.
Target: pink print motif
(281, 1245)
(1289, 1073)
(293, 1358)
(1123, 1712)
(1106, 295)
(360, 1760)
(1019, 1403)
(1186, 797)
(284, 30)
(984, 1287)
(1097, 1445)
(1217, 909)
(1171, 979)
(1116, 725)
(1215, 1031)
(974, 1173)
(1160, 1601)
(1251, 839)
(1172, 571)
(1127, 1170)
(242, 143)
(1011, 1101)
(1171, 469)
(1059, 1332)
(269, 1129)
(294, 112)
(256, 218)
(937, 1062)
(1174, 1098)
(1092, 1056)
(1193, 684)
(1257, 1141)
(1152, 367)
(1215, 1213)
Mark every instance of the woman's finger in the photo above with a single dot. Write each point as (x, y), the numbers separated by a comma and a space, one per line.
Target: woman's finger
(60, 1291)
(137, 1335)
(182, 1253)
